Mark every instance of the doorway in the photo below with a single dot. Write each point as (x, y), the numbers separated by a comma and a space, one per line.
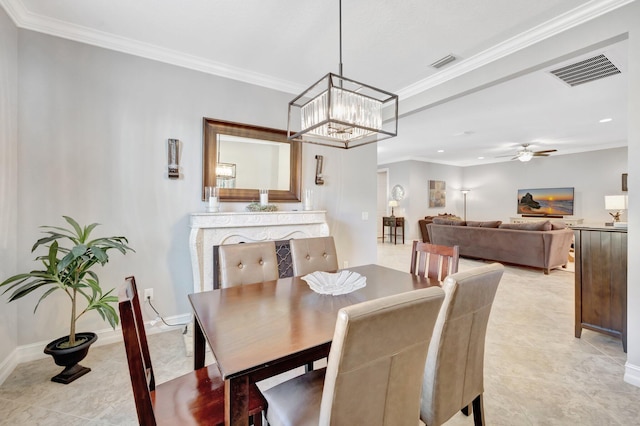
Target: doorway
(383, 196)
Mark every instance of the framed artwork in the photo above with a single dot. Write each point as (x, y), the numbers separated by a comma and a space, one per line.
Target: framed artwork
(624, 181)
(437, 193)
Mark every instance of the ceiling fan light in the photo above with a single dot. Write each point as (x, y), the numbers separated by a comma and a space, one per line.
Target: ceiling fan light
(525, 156)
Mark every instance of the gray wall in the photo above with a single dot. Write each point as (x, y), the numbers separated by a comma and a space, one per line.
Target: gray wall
(93, 126)
(8, 177)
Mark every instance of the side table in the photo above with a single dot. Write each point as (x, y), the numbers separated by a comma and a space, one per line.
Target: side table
(393, 223)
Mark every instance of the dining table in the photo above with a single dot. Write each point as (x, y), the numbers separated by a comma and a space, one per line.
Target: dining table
(257, 331)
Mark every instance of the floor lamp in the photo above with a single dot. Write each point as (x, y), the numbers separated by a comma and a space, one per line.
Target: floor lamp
(464, 201)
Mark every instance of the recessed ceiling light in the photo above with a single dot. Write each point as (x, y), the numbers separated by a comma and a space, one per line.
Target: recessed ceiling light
(465, 133)
(480, 158)
(441, 150)
(606, 120)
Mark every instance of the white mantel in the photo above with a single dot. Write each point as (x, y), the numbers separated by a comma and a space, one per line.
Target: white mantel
(214, 229)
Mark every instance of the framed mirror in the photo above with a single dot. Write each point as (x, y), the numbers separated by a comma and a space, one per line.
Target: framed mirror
(241, 159)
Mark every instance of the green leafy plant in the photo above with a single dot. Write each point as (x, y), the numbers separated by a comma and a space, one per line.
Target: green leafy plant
(69, 269)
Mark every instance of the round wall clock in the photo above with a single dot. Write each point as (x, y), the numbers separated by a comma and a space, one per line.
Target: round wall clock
(397, 193)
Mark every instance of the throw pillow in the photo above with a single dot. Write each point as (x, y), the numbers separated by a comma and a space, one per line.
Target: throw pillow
(448, 221)
(528, 226)
(484, 224)
(558, 225)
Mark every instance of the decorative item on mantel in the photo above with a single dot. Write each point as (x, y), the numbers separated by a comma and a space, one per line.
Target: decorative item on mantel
(342, 113)
(212, 199)
(264, 196)
(307, 201)
(258, 207)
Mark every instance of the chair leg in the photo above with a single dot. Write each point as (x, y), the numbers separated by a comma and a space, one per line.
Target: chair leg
(478, 412)
(467, 410)
(257, 419)
(308, 367)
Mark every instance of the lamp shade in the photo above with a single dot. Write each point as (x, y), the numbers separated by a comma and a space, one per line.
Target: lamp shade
(615, 202)
(393, 203)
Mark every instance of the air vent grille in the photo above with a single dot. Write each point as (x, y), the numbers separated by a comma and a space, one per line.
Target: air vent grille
(443, 61)
(585, 71)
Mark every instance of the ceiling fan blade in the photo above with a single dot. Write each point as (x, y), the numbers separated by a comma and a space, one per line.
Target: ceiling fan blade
(540, 154)
(544, 152)
(516, 157)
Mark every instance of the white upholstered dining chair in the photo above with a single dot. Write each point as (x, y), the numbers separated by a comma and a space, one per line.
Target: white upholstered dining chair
(374, 371)
(313, 254)
(247, 263)
(454, 372)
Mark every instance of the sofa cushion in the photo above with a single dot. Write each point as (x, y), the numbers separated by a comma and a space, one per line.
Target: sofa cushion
(528, 226)
(558, 225)
(484, 224)
(448, 221)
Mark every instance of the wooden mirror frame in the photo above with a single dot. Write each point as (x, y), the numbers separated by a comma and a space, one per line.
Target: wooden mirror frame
(210, 132)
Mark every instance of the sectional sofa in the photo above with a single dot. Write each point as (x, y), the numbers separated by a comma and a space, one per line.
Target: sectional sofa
(542, 244)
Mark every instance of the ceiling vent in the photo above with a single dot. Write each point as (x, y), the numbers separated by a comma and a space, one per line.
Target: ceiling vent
(443, 61)
(585, 71)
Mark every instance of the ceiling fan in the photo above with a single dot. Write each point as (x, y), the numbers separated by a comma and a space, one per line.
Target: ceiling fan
(525, 154)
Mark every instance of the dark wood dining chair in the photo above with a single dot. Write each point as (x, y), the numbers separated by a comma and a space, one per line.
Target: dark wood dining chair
(433, 260)
(247, 263)
(374, 373)
(313, 254)
(196, 398)
(454, 372)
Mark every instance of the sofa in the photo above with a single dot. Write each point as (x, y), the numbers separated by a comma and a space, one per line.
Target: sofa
(422, 224)
(542, 244)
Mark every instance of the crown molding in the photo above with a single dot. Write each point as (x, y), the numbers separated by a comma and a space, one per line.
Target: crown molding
(554, 26)
(23, 18)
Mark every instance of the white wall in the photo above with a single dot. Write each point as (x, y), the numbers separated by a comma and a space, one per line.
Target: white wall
(93, 126)
(8, 180)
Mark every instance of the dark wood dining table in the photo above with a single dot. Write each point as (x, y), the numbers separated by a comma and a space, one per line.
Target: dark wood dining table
(257, 331)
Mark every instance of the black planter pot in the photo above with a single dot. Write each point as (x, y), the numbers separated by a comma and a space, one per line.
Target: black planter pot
(70, 357)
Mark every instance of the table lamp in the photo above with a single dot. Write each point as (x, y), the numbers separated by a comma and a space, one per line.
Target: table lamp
(617, 203)
(393, 204)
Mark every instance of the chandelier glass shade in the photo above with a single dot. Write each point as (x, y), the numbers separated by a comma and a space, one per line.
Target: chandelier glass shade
(225, 170)
(340, 112)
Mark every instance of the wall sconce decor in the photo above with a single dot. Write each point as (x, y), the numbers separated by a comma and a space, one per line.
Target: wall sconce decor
(173, 158)
(319, 161)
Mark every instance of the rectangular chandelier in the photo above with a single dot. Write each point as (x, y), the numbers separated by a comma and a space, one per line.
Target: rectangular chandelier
(342, 113)
(225, 170)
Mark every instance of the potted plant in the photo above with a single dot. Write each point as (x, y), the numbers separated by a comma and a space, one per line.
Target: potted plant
(70, 269)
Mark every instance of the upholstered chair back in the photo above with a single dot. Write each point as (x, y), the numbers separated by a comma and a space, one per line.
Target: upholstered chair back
(378, 352)
(453, 376)
(313, 254)
(247, 263)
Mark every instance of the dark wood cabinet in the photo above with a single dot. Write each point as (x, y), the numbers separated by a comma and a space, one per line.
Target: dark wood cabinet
(601, 281)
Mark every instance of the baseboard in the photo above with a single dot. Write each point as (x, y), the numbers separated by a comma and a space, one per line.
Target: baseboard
(34, 351)
(632, 374)
(8, 364)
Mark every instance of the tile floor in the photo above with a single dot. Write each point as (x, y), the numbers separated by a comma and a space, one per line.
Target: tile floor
(536, 372)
